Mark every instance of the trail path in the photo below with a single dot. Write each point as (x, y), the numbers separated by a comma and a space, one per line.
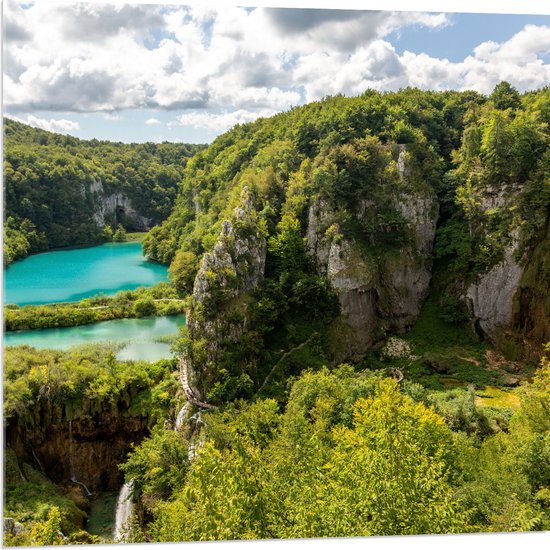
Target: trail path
(188, 390)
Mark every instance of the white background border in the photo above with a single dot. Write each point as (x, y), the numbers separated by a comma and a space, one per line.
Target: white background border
(530, 541)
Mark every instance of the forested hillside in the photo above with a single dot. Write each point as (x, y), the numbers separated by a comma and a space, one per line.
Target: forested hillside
(327, 227)
(367, 291)
(60, 190)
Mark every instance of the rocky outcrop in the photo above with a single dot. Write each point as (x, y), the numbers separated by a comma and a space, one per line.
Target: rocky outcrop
(354, 282)
(491, 297)
(113, 208)
(83, 450)
(383, 292)
(227, 277)
(405, 277)
(531, 308)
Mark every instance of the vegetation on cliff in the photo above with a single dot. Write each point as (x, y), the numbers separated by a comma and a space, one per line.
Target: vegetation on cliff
(334, 261)
(80, 412)
(49, 181)
(346, 193)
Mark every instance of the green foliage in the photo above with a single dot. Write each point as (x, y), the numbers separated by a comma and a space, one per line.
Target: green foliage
(384, 474)
(325, 147)
(504, 151)
(506, 477)
(83, 379)
(183, 270)
(453, 309)
(48, 180)
(47, 534)
(145, 307)
(158, 466)
(161, 299)
(119, 235)
(39, 505)
(505, 96)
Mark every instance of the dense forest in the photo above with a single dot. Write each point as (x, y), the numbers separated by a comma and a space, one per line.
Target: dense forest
(393, 185)
(366, 283)
(62, 191)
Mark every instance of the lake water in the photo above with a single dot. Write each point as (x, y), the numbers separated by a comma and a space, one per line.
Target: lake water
(72, 275)
(137, 335)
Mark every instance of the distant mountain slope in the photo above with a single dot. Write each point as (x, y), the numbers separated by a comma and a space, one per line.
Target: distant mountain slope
(61, 190)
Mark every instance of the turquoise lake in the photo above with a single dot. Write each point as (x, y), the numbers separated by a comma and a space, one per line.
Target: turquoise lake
(137, 336)
(72, 275)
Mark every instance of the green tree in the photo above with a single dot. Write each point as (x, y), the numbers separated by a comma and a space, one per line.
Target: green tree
(145, 307)
(48, 533)
(182, 271)
(108, 233)
(119, 235)
(505, 96)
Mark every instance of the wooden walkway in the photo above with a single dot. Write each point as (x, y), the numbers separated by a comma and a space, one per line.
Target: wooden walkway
(188, 390)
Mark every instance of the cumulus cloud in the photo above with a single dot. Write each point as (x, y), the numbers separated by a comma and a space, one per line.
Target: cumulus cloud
(108, 57)
(60, 126)
(344, 30)
(152, 121)
(222, 121)
(97, 22)
(518, 60)
(243, 63)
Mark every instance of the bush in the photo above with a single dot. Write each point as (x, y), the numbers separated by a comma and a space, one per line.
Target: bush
(145, 307)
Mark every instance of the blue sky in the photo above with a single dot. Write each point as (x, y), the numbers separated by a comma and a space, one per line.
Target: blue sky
(134, 72)
(465, 32)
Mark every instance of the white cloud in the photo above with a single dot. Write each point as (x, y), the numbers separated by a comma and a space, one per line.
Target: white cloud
(240, 62)
(152, 121)
(101, 58)
(517, 60)
(59, 126)
(220, 122)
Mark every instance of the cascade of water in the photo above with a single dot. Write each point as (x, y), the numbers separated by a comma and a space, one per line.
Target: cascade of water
(124, 509)
(71, 461)
(181, 416)
(88, 493)
(40, 467)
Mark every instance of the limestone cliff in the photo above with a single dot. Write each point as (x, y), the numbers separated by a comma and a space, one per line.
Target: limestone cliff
(491, 297)
(531, 307)
(114, 208)
(381, 292)
(227, 277)
(508, 303)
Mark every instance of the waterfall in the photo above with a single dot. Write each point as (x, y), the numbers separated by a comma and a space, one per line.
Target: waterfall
(88, 492)
(124, 509)
(71, 461)
(181, 416)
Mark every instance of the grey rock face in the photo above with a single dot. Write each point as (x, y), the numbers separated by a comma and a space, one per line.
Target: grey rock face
(320, 218)
(491, 298)
(386, 296)
(237, 261)
(406, 277)
(9, 524)
(227, 275)
(353, 280)
(108, 206)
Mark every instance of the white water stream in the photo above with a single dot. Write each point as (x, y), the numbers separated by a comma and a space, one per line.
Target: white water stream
(124, 509)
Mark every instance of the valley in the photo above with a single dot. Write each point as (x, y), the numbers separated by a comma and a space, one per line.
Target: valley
(361, 287)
